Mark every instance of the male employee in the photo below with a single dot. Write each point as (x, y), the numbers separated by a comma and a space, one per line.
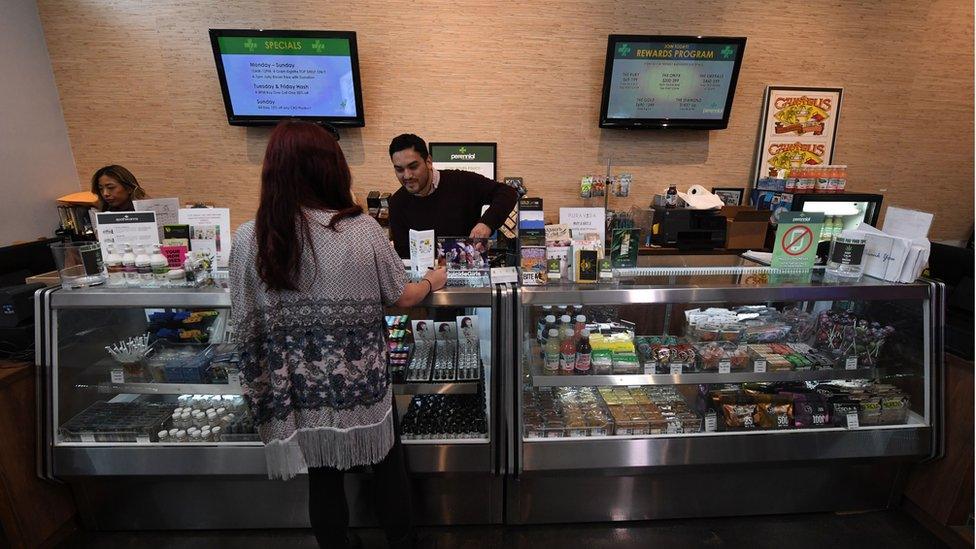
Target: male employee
(447, 201)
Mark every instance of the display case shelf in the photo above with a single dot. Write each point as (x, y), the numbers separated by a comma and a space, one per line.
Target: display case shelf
(169, 388)
(452, 388)
(541, 379)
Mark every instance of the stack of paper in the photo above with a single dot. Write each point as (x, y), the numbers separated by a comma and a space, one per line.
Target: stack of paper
(900, 250)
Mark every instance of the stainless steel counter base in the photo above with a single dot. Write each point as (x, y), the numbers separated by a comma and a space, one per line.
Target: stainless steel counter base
(703, 492)
(206, 502)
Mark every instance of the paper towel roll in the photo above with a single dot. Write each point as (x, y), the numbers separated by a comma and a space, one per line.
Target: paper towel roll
(700, 198)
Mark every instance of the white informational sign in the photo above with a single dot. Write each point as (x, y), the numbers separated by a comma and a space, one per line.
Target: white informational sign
(167, 210)
(118, 229)
(421, 251)
(582, 221)
(209, 224)
(471, 157)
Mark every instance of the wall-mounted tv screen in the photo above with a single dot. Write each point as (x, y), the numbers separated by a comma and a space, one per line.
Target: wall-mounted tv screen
(269, 75)
(670, 81)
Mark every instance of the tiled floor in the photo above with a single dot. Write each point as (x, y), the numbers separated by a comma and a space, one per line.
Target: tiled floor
(891, 529)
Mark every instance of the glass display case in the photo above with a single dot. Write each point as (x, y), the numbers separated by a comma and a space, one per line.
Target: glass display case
(142, 402)
(697, 389)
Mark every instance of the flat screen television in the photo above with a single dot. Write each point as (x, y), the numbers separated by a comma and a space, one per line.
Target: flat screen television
(670, 81)
(270, 75)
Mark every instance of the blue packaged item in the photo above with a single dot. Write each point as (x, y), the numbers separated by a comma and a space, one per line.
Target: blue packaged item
(771, 184)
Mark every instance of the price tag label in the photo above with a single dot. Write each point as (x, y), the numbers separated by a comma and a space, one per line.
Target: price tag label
(650, 368)
(760, 366)
(142, 439)
(851, 363)
(234, 379)
(711, 422)
(87, 438)
(117, 375)
(675, 369)
(852, 421)
(724, 367)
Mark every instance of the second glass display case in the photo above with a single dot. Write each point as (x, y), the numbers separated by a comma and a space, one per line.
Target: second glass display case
(649, 394)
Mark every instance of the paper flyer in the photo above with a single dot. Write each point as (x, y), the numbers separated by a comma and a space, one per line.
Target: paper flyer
(209, 224)
(167, 210)
(117, 229)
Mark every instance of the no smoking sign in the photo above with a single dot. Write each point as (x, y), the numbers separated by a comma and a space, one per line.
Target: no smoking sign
(797, 240)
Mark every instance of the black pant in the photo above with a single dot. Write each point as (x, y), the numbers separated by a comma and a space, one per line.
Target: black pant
(328, 510)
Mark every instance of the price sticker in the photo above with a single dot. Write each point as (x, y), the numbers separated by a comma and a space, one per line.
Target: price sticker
(117, 376)
(711, 422)
(852, 421)
(675, 369)
(142, 439)
(724, 367)
(650, 368)
(851, 363)
(88, 438)
(234, 378)
(760, 366)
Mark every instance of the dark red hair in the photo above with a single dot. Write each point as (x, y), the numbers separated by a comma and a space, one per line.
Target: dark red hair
(303, 168)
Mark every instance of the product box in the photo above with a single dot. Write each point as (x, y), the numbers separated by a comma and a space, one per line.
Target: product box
(623, 247)
(586, 266)
(746, 227)
(534, 265)
(533, 237)
(176, 235)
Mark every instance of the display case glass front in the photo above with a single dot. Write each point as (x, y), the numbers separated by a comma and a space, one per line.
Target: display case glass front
(719, 361)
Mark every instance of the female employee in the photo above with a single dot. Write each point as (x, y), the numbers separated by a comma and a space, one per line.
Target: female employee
(116, 188)
(309, 278)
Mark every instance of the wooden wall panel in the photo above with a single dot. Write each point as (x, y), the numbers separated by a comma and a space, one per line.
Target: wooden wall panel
(138, 87)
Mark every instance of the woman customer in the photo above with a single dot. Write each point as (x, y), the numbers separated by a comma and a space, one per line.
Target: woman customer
(116, 188)
(309, 279)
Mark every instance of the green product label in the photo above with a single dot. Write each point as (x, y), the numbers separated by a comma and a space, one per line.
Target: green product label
(796, 240)
(462, 153)
(274, 45)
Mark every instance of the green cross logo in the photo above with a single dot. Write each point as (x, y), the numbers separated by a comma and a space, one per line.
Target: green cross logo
(727, 52)
(250, 45)
(318, 46)
(624, 50)
(463, 150)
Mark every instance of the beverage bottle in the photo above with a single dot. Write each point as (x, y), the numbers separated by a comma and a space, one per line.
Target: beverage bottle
(838, 227)
(144, 267)
(116, 272)
(822, 179)
(129, 267)
(565, 327)
(160, 267)
(540, 327)
(671, 198)
(579, 327)
(550, 323)
(551, 363)
(791, 179)
(583, 354)
(841, 179)
(567, 355)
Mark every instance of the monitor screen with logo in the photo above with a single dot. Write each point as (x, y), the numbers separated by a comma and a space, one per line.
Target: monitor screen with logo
(669, 81)
(268, 75)
(472, 157)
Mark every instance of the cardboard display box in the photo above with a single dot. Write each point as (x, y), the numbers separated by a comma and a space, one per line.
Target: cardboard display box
(746, 227)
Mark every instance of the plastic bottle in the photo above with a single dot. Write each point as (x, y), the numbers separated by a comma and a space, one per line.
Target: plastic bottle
(567, 355)
(565, 328)
(113, 265)
(129, 267)
(583, 354)
(181, 436)
(144, 267)
(540, 327)
(551, 363)
(579, 327)
(841, 179)
(671, 198)
(822, 179)
(791, 179)
(550, 323)
(160, 267)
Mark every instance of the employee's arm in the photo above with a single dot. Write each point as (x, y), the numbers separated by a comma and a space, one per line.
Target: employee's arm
(399, 234)
(500, 199)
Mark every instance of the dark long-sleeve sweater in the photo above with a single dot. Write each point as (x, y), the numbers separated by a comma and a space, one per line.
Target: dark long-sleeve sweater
(453, 209)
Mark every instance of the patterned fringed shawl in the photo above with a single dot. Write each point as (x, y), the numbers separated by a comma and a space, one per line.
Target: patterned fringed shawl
(313, 362)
